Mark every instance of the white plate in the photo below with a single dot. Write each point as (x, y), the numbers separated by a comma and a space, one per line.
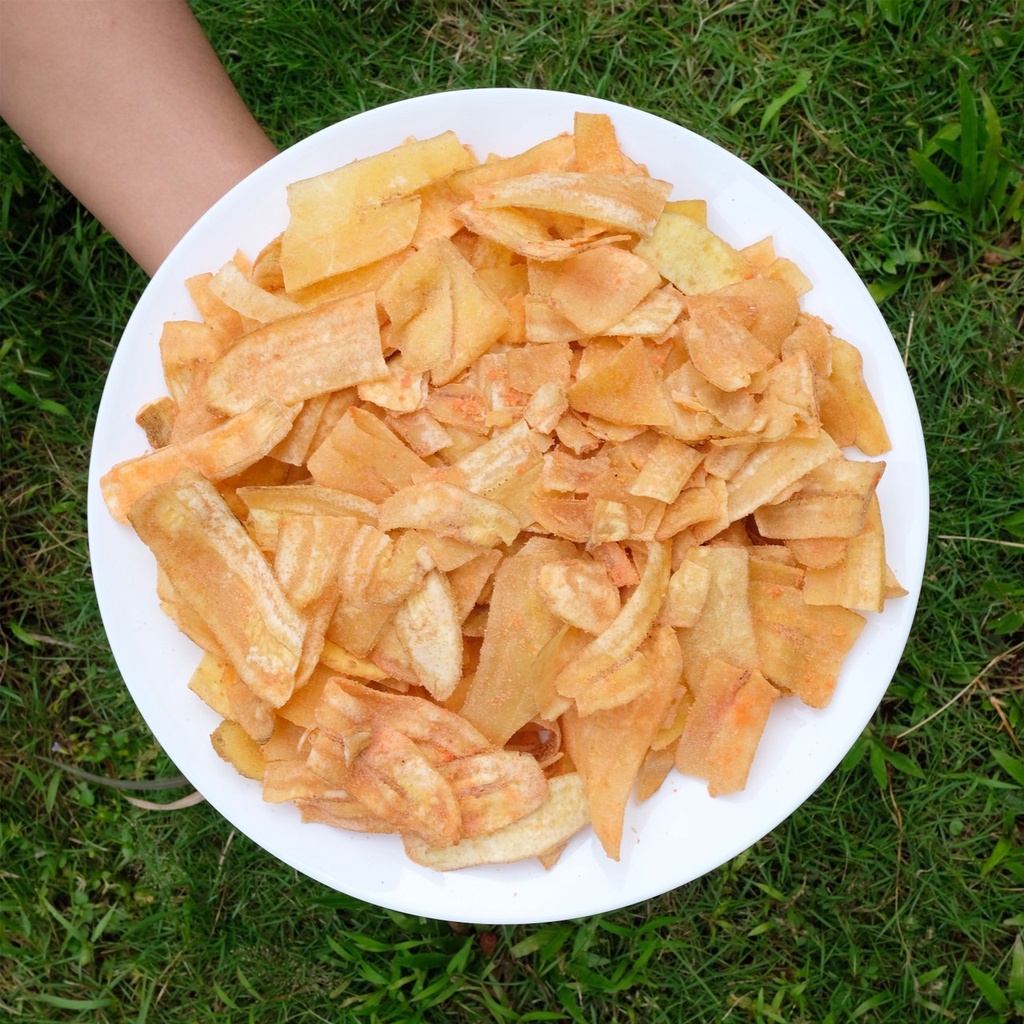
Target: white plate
(680, 833)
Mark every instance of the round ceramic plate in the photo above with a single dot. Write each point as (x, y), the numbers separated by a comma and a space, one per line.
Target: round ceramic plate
(681, 832)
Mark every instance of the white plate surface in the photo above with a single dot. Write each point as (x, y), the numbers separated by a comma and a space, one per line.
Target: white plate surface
(680, 833)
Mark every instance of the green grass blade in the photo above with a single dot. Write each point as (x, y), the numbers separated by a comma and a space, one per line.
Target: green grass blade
(1013, 766)
(992, 151)
(1015, 989)
(989, 989)
(77, 1005)
(771, 112)
(969, 147)
(941, 186)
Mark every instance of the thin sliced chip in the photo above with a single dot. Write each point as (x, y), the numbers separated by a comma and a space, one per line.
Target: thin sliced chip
(818, 552)
(691, 256)
(858, 580)
(553, 154)
(450, 511)
(626, 390)
(339, 220)
(342, 812)
(362, 456)
(311, 353)
(239, 749)
(509, 453)
(801, 647)
(629, 203)
(626, 633)
(399, 392)
(308, 555)
(524, 234)
(208, 683)
(725, 627)
(848, 376)
(234, 289)
(219, 453)
(721, 348)
(724, 726)
(494, 789)
(195, 537)
(653, 772)
(294, 780)
(772, 467)
(225, 323)
(580, 593)
(429, 628)
(557, 820)
(609, 746)
(157, 420)
(245, 708)
(519, 626)
(397, 783)
(653, 317)
(832, 501)
(665, 471)
(687, 591)
(596, 145)
(597, 288)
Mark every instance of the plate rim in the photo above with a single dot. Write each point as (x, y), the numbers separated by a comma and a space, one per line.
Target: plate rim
(519, 910)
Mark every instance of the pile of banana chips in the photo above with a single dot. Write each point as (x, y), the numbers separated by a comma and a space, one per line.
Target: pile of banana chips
(493, 490)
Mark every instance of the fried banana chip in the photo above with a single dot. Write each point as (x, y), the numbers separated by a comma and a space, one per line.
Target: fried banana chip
(450, 511)
(314, 352)
(191, 531)
(219, 453)
(625, 202)
(558, 819)
(629, 629)
(495, 788)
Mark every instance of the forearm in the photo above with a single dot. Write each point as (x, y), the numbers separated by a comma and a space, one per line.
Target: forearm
(129, 106)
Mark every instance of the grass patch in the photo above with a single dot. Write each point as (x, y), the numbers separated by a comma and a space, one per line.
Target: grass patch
(893, 895)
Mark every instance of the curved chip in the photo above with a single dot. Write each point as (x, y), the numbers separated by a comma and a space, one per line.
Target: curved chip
(557, 820)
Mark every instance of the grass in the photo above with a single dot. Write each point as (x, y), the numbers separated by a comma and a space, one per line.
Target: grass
(896, 894)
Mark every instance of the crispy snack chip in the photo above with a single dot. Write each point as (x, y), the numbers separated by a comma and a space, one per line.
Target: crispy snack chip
(300, 356)
(195, 537)
(494, 491)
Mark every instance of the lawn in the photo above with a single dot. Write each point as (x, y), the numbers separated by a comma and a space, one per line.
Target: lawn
(895, 894)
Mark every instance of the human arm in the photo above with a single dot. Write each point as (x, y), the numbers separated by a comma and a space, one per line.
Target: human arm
(129, 106)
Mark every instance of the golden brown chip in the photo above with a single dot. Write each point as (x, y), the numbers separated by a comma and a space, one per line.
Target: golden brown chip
(609, 746)
(624, 636)
(848, 376)
(557, 820)
(494, 789)
(801, 647)
(626, 390)
(430, 630)
(219, 453)
(311, 353)
(450, 511)
(595, 289)
(596, 146)
(858, 579)
(195, 538)
(519, 626)
(691, 256)
(625, 202)
(236, 291)
(362, 212)
(724, 726)
(580, 593)
(239, 749)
